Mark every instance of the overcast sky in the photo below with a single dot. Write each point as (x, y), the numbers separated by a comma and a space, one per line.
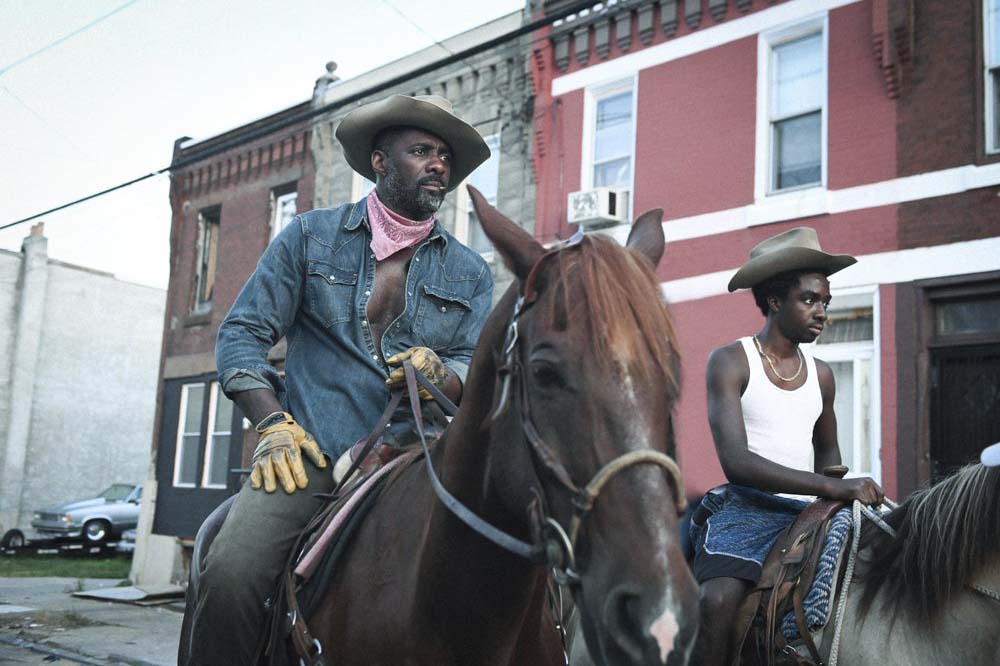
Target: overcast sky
(83, 112)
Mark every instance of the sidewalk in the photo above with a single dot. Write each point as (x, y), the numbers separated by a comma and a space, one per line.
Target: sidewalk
(41, 611)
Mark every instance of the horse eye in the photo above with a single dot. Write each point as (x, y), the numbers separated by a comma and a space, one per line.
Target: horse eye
(545, 375)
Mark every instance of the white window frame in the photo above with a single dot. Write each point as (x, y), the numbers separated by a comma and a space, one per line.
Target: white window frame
(989, 87)
(210, 435)
(277, 202)
(846, 299)
(463, 205)
(764, 162)
(592, 95)
(358, 186)
(181, 422)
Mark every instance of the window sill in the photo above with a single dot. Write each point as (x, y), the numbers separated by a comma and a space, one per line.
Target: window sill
(784, 206)
(198, 319)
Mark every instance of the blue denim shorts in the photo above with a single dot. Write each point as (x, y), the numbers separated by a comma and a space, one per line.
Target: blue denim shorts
(734, 528)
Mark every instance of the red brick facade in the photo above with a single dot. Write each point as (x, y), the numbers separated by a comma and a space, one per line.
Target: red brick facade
(904, 97)
(239, 181)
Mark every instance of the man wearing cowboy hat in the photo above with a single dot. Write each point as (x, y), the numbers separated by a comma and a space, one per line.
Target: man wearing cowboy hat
(355, 290)
(770, 407)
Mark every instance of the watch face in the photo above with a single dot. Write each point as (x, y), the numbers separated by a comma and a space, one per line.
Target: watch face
(271, 420)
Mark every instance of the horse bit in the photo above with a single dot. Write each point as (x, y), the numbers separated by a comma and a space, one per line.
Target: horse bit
(554, 546)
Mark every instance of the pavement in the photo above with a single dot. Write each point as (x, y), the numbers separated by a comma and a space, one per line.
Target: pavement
(42, 623)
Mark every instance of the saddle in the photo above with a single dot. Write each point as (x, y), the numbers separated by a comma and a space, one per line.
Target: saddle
(787, 576)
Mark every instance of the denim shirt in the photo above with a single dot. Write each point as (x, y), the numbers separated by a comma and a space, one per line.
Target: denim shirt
(312, 285)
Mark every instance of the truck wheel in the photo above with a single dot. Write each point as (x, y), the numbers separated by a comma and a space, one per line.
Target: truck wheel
(12, 539)
(96, 531)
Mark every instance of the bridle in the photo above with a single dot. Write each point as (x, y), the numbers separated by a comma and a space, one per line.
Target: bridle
(553, 546)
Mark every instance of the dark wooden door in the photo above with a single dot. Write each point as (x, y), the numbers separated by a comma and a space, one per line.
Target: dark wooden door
(965, 405)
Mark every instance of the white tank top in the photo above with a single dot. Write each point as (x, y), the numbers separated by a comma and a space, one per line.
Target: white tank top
(780, 423)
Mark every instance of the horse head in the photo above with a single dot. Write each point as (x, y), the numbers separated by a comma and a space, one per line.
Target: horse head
(586, 375)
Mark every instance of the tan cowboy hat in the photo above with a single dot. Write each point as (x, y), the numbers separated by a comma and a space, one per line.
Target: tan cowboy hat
(792, 250)
(431, 113)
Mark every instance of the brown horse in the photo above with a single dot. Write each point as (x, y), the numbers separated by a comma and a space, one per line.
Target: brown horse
(573, 381)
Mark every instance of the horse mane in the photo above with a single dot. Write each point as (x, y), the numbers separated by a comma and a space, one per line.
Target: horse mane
(616, 294)
(945, 535)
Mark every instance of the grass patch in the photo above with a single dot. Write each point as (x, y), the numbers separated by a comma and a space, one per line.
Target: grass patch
(64, 567)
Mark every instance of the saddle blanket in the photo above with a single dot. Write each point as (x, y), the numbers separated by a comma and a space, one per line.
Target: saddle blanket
(312, 557)
(734, 528)
(819, 601)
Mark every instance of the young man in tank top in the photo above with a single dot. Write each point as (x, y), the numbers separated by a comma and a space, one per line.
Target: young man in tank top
(770, 407)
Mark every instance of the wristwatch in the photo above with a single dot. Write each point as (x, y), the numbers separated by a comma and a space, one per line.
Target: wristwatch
(272, 419)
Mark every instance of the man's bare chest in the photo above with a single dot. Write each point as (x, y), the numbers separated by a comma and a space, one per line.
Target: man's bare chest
(388, 298)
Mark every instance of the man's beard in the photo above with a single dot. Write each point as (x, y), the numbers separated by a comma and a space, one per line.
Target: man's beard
(414, 202)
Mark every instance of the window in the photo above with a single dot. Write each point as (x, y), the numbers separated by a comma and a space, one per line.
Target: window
(283, 209)
(793, 74)
(967, 316)
(192, 440)
(189, 435)
(486, 179)
(220, 420)
(847, 344)
(208, 250)
(991, 74)
(609, 135)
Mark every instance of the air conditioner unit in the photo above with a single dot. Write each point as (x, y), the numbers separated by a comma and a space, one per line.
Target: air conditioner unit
(599, 207)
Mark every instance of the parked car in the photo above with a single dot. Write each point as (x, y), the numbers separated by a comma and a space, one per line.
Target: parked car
(96, 520)
(126, 542)
(13, 538)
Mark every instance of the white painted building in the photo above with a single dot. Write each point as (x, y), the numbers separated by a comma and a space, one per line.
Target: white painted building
(79, 354)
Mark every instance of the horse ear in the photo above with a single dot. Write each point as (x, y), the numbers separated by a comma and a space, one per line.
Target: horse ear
(519, 249)
(646, 236)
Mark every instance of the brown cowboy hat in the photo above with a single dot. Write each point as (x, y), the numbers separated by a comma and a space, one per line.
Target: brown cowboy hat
(430, 113)
(794, 249)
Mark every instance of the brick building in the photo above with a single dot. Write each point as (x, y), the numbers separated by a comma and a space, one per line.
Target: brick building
(226, 208)
(874, 121)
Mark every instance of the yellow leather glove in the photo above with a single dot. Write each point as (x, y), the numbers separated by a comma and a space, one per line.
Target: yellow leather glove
(426, 362)
(278, 455)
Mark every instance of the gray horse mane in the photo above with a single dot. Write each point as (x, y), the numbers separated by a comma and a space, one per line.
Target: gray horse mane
(945, 535)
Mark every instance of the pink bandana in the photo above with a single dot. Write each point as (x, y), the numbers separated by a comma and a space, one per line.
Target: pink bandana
(392, 232)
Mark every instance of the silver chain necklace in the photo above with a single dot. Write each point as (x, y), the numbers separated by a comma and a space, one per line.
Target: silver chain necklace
(771, 363)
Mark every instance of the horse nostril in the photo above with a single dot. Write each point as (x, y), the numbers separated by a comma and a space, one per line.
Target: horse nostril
(622, 618)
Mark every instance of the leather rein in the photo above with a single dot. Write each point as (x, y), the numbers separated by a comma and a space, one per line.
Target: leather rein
(553, 546)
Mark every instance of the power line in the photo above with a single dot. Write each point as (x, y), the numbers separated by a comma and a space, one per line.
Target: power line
(416, 25)
(297, 118)
(40, 118)
(421, 29)
(50, 45)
